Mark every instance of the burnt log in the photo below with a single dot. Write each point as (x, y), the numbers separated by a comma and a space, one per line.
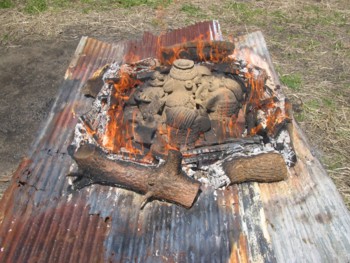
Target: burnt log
(166, 182)
(94, 84)
(264, 168)
(199, 51)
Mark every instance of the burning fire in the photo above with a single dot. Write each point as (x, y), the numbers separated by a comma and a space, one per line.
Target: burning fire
(119, 133)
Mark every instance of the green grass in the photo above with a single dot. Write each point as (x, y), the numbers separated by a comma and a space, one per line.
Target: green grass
(35, 6)
(328, 103)
(314, 15)
(5, 4)
(246, 13)
(300, 116)
(193, 11)
(190, 9)
(39, 6)
(5, 39)
(292, 81)
(313, 104)
(131, 3)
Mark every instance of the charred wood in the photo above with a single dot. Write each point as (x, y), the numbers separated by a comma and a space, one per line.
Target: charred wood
(217, 51)
(95, 83)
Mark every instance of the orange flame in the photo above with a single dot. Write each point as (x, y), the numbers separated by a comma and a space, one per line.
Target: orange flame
(119, 134)
(200, 49)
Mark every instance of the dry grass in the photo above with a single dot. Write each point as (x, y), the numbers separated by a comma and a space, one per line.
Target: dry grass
(309, 42)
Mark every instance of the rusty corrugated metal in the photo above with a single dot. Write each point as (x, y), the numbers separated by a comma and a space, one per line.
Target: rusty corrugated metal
(301, 219)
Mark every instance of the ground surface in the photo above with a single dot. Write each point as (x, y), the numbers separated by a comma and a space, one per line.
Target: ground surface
(309, 42)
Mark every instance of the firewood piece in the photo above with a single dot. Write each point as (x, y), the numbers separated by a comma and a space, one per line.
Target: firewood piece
(265, 168)
(167, 181)
(198, 51)
(95, 83)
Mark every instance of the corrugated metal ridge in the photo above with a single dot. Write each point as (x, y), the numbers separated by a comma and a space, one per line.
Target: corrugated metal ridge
(149, 44)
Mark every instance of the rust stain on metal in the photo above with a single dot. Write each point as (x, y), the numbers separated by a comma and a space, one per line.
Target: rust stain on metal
(7, 201)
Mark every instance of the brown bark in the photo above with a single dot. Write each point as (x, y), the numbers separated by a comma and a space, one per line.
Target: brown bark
(166, 182)
(265, 168)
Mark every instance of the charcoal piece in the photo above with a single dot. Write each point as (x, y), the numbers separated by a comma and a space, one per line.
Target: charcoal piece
(216, 51)
(148, 94)
(251, 120)
(143, 76)
(144, 134)
(92, 87)
(95, 83)
(132, 115)
(227, 68)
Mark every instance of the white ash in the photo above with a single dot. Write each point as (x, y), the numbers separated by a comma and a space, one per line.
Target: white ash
(81, 136)
(112, 71)
(287, 151)
(214, 174)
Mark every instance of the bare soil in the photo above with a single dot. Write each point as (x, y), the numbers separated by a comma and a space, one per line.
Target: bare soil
(30, 77)
(309, 42)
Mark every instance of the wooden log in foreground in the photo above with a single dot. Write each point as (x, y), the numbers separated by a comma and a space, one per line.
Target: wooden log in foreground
(265, 168)
(166, 182)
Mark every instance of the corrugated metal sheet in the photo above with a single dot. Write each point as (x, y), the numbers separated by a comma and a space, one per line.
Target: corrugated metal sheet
(301, 219)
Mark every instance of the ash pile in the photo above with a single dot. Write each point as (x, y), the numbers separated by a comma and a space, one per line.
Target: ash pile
(210, 117)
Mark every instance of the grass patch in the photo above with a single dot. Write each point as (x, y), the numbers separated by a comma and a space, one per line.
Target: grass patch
(131, 3)
(332, 163)
(5, 39)
(5, 4)
(35, 6)
(328, 103)
(190, 9)
(245, 13)
(292, 81)
(193, 11)
(313, 104)
(316, 15)
(38, 6)
(300, 116)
